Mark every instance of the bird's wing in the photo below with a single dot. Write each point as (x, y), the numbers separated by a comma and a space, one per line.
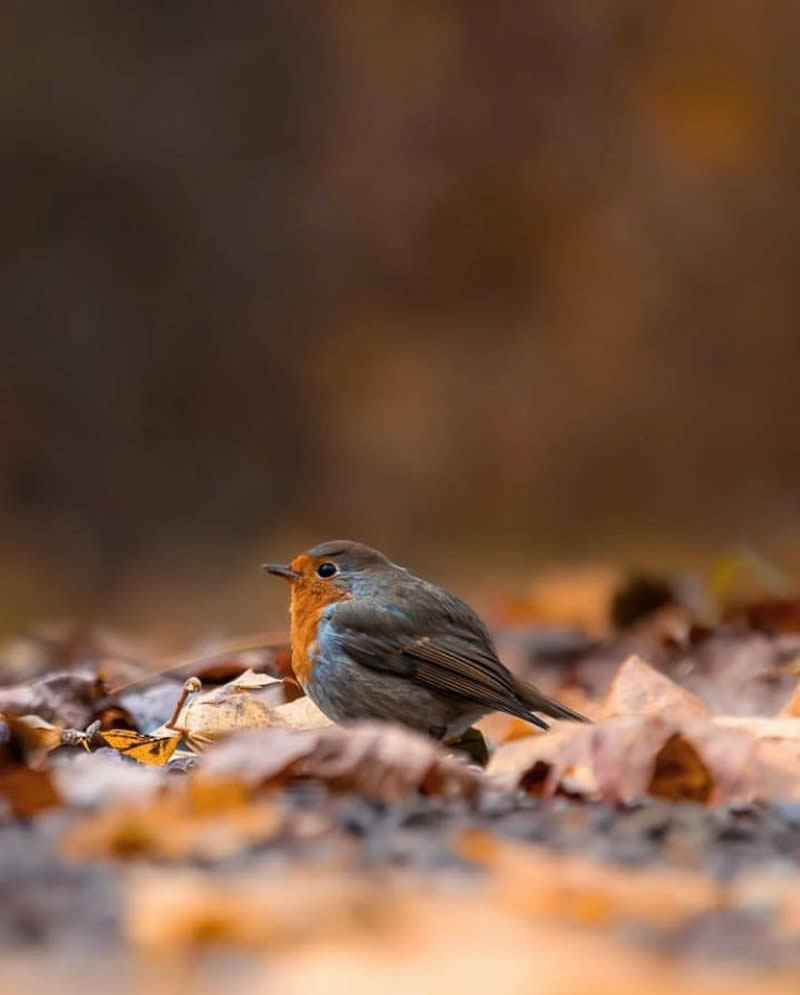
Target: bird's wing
(443, 646)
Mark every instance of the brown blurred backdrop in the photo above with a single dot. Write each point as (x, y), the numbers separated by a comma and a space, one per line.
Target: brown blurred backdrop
(482, 283)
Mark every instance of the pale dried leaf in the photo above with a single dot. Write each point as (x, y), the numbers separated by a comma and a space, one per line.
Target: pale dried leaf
(66, 699)
(219, 712)
(250, 680)
(538, 883)
(639, 689)
(301, 713)
(623, 759)
(329, 932)
(35, 734)
(175, 826)
(379, 760)
(497, 727)
(182, 909)
(91, 779)
(763, 728)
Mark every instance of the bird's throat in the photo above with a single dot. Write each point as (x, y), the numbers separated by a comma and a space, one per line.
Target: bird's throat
(308, 602)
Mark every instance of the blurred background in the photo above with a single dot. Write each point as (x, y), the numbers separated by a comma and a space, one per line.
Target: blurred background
(486, 285)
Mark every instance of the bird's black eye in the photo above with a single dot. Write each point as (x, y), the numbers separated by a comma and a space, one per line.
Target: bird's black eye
(327, 570)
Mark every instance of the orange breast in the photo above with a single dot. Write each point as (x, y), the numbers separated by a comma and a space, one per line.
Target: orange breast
(309, 600)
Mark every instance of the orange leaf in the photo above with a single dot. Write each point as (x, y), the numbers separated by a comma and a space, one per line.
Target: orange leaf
(151, 750)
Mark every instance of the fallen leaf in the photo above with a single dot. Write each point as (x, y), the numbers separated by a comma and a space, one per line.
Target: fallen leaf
(626, 758)
(326, 931)
(177, 825)
(738, 674)
(28, 792)
(185, 909)
(494, 954)
(217, 713)
(639, 689)
(539, 763)
(151, 705)
(150, 750)
(791, 710)
(762, 728)
(301, 713)
(499, 728)
(115, 717)
(88, 780)
(539, 884)
(680, 773)
(245, 702)
(36, 736)
(770, 615)
(382, 761)
(470, 745)
(66, 698)
(250, 680)
(779, 762)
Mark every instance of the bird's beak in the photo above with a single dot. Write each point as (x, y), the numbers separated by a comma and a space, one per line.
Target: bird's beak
(281, 570)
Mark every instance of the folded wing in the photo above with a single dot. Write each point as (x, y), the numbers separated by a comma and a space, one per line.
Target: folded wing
(460, 663)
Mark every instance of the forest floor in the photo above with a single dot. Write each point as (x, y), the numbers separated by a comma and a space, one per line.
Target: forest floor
(183, 834)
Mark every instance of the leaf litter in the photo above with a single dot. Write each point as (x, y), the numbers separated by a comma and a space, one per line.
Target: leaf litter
(663, 837)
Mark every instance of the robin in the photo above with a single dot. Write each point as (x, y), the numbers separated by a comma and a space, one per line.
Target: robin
(372, 641)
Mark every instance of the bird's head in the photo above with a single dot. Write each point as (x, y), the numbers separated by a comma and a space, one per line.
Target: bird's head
(333, 569)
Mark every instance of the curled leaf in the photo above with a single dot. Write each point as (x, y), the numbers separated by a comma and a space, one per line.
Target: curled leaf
(639, 689)
(65, 698)
(622, 759)
(382, 761)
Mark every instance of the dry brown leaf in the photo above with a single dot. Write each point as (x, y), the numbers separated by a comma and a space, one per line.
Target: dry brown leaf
(501, 728)
(88, 780)
(301, 713)
(250, 680)
(330, 932)
(190, 821)
(738, 675)
(779, 763)
(67, 699)
(34, 735)
(791, 710)
(639, 689)
(498, 954)
(217, 713)
(168, 911)
(540, 884)
(623, 759)
(154, 751)
(770, 614)
(680, 773)
(379, 760)
(26, 791)
(246, 702)
(539, 763)
(613, 760)
(762, 728)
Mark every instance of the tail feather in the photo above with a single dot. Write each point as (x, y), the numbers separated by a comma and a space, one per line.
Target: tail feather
(533, 698)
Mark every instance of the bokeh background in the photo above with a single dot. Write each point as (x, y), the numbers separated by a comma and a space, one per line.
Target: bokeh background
(487, 285)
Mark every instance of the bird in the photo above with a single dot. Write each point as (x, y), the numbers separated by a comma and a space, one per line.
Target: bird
(372, 641)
